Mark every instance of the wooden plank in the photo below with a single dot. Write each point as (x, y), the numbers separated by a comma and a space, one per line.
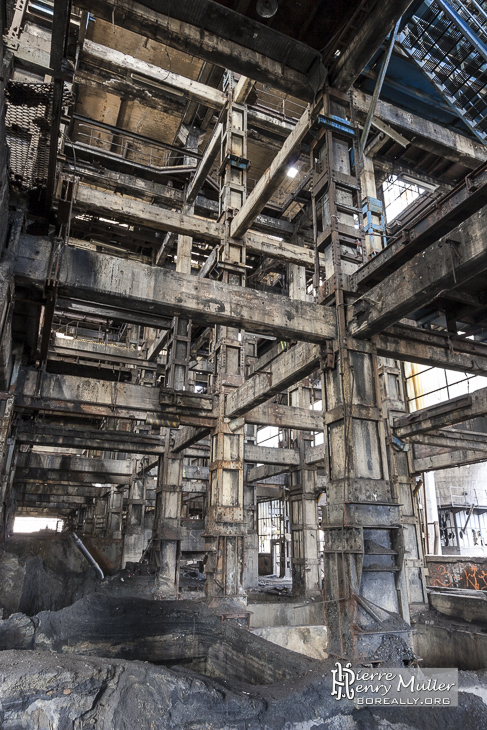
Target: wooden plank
(443, 265)
(288, 369)
(100, 278)
(271, 179)
(269, 455)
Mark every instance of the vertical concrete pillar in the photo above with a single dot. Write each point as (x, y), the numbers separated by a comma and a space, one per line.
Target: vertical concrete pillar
(226, 529)
(363, 535)
(138, 528)
(7, 469)
(303, 506)
(431, 518)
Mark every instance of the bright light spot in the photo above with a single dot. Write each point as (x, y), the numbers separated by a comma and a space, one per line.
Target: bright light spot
(292, 172)
(35, 524)
(96, 484)
(63, 336)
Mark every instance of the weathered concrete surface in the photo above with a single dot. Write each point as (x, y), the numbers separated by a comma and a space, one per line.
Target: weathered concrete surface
(279, 612)
(464, 604)
(47, 573)
(451, 571)
(308, 640)
(447, 642)
(40, 690)
(157, 631)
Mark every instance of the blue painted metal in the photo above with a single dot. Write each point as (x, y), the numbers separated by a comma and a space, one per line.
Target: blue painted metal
(338, 124)
(449, 43)
(374, 224)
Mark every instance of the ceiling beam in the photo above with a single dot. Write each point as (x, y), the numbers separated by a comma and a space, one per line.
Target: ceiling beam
(271, 179)
(286, 370)
(371, 34)
(443, 265)
(232, 44)
(442, 415)
(100, 278)
(435, 137)
(141, 71)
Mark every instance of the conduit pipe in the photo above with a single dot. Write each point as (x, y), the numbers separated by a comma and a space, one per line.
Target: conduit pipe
(83, 550)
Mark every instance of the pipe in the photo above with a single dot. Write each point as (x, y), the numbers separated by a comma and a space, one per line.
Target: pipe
(378, 85)
(88, 556)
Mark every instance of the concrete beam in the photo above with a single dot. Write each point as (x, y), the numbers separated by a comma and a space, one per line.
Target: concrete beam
(448, 460)
(426, 347)
(452, 439)
(124, 183)
(100, 278)
(266, 471)
(286, 370)
(123, 441)
(269, 455)
(271, 179)
(128, 210)
(273, 414)
(372, 32)
(121, 63)
(435, 137)
(204, 165)
(443, 265)
(226, 49)
(442, 415)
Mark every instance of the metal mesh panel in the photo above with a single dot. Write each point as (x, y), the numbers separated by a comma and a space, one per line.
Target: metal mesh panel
(450, 60)
(28, 125)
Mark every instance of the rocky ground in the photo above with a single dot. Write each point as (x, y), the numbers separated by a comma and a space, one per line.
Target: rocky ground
(78, 654)
(42, 691)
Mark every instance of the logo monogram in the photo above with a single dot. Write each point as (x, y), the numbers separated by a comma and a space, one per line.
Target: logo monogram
(343, 677)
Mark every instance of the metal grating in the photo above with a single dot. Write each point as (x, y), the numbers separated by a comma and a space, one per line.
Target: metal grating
(28, 123)
(450, 60)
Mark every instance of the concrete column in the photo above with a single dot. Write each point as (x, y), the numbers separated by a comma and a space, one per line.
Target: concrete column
(167, 522)
(372, 209)
(138, 528)
(7, 449)
(304, 510)
(226, 529)
(303, 506)
(363, 550)
(431, 518)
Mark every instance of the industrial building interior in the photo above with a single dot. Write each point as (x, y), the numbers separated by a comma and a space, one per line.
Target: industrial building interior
(243, 359)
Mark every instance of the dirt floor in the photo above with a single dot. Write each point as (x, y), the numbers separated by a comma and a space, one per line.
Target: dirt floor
(77, 654)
